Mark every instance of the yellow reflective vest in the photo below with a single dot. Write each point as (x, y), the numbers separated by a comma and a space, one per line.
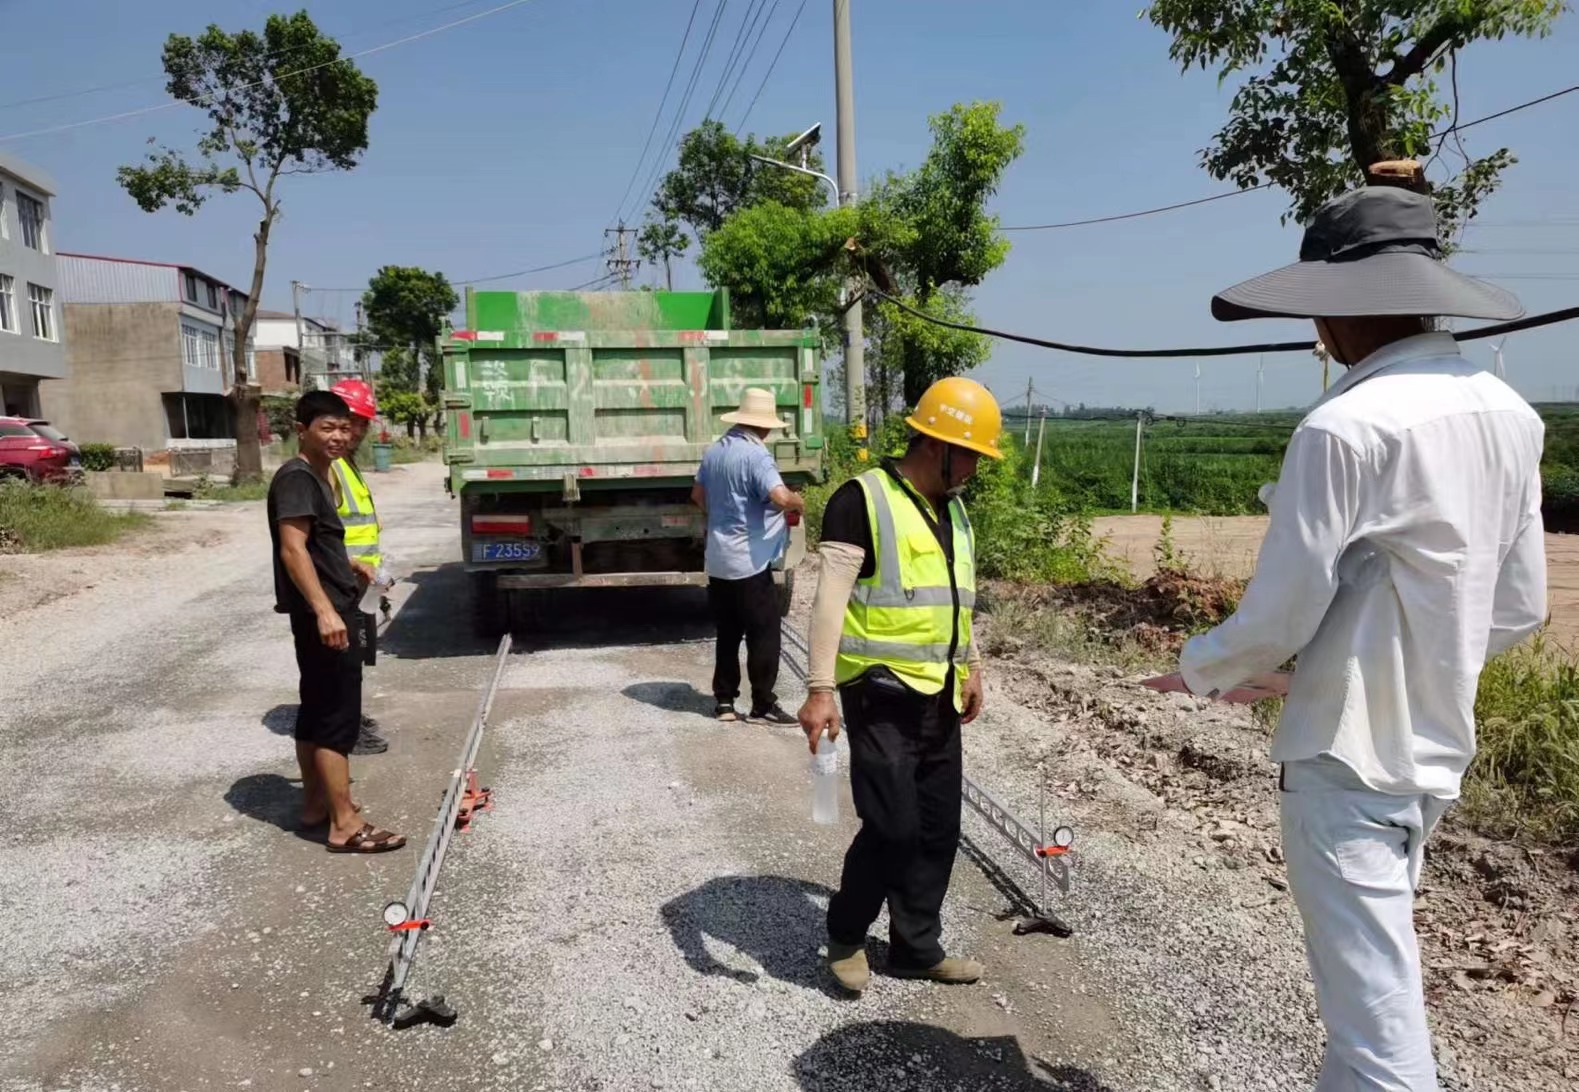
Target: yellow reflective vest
(358, 514)
(904, 616)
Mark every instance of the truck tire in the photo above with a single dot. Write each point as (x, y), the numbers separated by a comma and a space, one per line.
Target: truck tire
(786, 592)
(487, 609)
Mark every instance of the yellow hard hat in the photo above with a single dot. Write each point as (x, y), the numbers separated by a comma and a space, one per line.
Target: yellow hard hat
(961, 412)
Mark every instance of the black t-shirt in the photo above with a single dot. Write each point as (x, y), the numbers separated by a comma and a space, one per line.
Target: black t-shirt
(845, 520)
(297, 492)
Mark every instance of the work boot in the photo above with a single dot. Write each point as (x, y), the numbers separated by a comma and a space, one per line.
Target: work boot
(773, 714)
(849, 966)
(950, 972)
(724, 712)
(369, 741)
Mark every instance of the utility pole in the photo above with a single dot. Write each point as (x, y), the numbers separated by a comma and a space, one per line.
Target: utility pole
(1197, 388)
(1036, 468)
(854, 333)
(1499, 369)
(1028, 396)
(297, 287)
(622, 265)
(1260, 371)
(1134, 480)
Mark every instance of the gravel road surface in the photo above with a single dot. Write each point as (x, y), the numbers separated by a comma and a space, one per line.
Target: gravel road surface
(641, 909)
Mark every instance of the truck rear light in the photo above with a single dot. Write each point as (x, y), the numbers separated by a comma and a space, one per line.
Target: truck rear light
(501, 525)
(805, 395)
(463, 425)
(499, 473)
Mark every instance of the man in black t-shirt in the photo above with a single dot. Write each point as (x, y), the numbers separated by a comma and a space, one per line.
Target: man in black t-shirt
(318, 586)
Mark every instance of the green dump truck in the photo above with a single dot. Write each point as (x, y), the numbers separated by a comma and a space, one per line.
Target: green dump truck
(574, 424)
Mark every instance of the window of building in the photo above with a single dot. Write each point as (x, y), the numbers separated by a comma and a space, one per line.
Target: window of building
(43, 303)
(8, 304)
(5, 231)
(199, 347)
(189, 286)
(213, 296)
(30, 212)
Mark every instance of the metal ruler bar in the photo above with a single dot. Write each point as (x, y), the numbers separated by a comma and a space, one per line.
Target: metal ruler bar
(1019, 835)
(403, 946)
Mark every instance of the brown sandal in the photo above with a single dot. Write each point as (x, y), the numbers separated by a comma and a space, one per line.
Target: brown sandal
(369, 840)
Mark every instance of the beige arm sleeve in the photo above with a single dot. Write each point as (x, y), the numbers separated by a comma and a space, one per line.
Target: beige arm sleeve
(839, 567)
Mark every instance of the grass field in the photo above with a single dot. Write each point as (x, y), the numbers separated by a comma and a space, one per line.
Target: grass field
(1215, 465)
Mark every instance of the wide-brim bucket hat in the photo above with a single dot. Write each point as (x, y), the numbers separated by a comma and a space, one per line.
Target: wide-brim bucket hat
(757, 410)
(1371, 252)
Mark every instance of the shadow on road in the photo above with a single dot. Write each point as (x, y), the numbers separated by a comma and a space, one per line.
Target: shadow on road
(899, 1054)
(674, 697)
(268, 798)
(281, 720)
(436, 621)
(1021, 905)
(774, 920)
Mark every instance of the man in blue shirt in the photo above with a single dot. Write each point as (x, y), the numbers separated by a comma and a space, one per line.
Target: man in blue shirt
(745, 499)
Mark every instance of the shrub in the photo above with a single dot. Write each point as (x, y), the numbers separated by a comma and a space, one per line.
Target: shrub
(50, 517)
(98, 456)
(1525, 777)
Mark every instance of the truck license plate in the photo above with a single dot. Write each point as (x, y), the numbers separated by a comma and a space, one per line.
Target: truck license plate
(507, 551)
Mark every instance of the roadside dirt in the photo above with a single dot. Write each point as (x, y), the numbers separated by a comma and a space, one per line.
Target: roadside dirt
(32, 580)
(1226, 547)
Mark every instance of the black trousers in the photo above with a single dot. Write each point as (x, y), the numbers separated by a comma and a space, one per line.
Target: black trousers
(746, 609)
(331, 684)
(905, 772)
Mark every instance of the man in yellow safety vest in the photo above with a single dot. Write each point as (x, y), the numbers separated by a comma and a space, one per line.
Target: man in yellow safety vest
(354, 503)
(891, 628)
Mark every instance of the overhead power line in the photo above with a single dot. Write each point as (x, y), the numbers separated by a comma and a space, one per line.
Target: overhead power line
(496, 276)
(1526, 323)
(1268, 185)
(619, 214)
(771, 66)
(535, 269)
(685, 100)
(202, 99)
(736, 54)
(751, 54)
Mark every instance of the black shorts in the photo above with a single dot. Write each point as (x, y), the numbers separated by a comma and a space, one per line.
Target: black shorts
(331, 686)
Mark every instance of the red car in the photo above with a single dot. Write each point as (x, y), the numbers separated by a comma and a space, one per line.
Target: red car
(26, 453)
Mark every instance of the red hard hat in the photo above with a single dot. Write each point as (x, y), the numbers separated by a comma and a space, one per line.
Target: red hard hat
(358, 395)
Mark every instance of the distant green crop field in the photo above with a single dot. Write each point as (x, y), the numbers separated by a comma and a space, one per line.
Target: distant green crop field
(1215, 465)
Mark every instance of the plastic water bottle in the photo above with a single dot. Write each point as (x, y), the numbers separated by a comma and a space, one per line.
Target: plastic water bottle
(825, 783)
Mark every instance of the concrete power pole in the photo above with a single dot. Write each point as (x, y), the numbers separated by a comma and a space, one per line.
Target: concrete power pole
(1197, 388)
(1498, 368)
(1134, 481)
(622, 265)
(1028, 395)
(1260, 371)
(297, 288)
(1036, 468)
(854, 333)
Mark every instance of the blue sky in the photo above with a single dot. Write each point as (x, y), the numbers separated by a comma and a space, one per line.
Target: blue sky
(506, 144)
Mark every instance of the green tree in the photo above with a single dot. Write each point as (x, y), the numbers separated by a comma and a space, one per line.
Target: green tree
(1333, 86)
(923, 236)
(406, 306)
(660, 243)
(279, 103)
(716, 177)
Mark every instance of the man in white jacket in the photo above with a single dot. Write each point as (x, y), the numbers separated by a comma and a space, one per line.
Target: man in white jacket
(1405, 548)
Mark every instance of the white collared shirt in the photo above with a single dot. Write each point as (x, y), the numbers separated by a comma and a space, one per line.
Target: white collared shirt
(1405, 549)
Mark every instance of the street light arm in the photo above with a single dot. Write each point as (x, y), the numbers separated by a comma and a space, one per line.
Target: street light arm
(832, 185)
